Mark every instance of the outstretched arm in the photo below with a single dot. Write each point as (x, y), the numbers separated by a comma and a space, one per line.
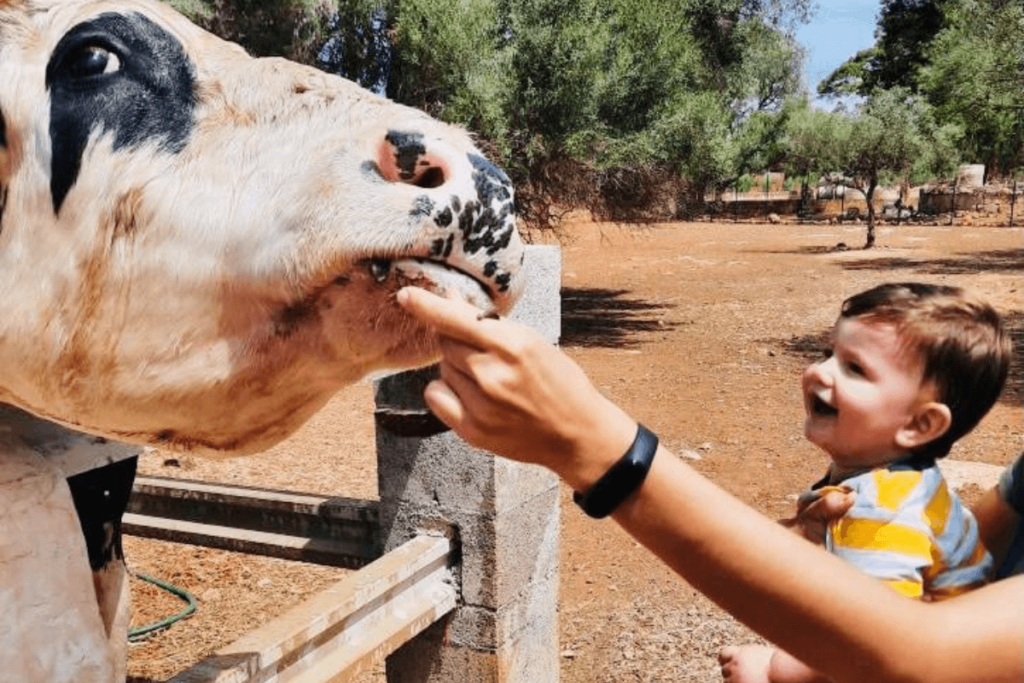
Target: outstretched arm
(505, 389)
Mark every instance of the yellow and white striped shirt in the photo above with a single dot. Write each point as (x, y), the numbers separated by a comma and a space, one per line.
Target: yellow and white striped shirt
(909, 530)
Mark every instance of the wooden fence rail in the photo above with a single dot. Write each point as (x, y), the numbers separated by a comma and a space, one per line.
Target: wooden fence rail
(329, 530)
(345, 630)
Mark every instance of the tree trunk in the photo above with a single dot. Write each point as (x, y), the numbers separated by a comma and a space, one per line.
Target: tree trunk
(869, 194)
(805, 212)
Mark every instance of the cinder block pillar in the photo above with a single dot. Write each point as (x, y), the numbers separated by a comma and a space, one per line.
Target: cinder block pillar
(503, 516)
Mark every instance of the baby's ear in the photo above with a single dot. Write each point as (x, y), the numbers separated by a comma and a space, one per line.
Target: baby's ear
(930, 421)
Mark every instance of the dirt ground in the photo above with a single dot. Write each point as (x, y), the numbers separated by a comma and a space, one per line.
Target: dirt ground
(700, 330)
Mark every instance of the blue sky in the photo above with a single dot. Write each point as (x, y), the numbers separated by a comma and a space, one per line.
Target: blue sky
(838, 31)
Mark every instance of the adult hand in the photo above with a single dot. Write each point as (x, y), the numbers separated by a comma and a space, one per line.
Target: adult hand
(817, 510)
(505, 389)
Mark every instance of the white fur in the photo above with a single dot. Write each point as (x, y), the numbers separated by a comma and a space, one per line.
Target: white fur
(166, 335)
(153, 308)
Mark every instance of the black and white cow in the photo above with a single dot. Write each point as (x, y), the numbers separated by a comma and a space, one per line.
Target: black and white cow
(197, 248)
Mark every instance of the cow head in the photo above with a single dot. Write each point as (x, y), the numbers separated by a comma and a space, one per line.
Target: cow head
(197, 248)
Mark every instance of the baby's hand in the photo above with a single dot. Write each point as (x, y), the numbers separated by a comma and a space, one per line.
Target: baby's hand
(817, 510)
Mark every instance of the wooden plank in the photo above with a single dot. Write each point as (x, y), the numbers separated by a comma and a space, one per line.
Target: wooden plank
(346, 629)
(342, 525)
(297, 548)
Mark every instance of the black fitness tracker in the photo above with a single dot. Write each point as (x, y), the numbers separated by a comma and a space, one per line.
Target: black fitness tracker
(622, 479)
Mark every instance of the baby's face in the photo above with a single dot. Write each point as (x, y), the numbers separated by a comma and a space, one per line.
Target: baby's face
(863, 394)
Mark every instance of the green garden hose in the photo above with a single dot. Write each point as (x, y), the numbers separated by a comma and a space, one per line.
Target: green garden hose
(140, 632)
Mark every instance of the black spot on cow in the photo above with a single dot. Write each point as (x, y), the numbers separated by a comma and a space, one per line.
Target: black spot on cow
(442, 247)
(444, 218)
(101, 498)
(491, 182)
(3, 131)
(123, 76)
(422, 206)
(503, 281)
(408, 150)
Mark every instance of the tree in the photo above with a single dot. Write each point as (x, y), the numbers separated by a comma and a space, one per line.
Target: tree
(666, 84)
(813, 143)
(906, 29)
(290, 28)
(975, 78)
(893, 134)
(903, 36)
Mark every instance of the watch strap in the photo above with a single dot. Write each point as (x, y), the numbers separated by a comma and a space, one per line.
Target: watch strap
(622, 479)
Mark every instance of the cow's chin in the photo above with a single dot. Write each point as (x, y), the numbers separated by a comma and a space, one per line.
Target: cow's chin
(444, 281)
(318, 354)
(249, 391)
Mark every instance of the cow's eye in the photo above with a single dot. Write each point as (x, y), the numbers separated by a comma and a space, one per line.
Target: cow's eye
(92, 60)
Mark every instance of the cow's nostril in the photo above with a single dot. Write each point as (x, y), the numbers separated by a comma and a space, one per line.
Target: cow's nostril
(404, 158)
(431, 178)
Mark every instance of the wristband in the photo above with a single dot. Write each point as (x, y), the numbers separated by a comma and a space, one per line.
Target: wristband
(622, 479)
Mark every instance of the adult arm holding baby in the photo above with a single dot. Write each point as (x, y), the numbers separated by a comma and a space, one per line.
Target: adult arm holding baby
(505, 389)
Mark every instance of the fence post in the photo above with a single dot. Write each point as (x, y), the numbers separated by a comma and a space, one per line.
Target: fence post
(1013, 200)
(503, 517)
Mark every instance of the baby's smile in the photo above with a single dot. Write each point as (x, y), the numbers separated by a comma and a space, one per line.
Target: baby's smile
(820, 400)
(822, 409)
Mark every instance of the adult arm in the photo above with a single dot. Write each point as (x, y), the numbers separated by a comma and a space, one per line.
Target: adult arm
(996, 523)
(1000, 510)
(505, 389)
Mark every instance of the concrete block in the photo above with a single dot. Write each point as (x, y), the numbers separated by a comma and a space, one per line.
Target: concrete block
(540, 305)
(501, 554)
(443, 470)
(526, 645)
(495, 572)
(429, 658)
(526, 615)
(503, 517)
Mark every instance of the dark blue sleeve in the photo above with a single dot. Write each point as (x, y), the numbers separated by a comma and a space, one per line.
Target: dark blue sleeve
(1011, 485)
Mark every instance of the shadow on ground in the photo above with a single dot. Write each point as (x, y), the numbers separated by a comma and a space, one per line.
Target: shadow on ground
(811, 348)
(595, 317)
(999, 261)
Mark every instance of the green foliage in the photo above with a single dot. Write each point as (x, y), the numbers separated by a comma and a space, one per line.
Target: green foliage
(288, 28)
(689, 87)
(615, 83)
(965, 57)
(852, 77)
(894, 136)
(744, 183)
(906, 29)
(815, 141)
(975, 78)
(452, 61)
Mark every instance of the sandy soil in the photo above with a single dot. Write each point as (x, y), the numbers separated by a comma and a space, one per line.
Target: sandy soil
(699, 329)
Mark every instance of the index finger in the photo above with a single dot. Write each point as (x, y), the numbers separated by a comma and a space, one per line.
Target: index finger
(450, 317)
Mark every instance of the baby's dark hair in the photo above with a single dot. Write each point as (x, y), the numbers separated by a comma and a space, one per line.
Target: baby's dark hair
(960, 339)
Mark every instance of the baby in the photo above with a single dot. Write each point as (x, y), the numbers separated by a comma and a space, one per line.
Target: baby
(913, 368)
